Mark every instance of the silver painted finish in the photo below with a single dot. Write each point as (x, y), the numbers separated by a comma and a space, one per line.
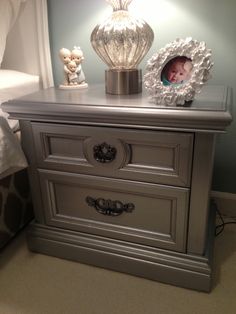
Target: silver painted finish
(210, 111)
(200, 192)
(30, 152)
(166, 266)
(163, 165)
(159, 157)
(159, 218)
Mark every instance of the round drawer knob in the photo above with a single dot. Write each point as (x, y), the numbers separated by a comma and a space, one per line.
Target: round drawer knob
(104, 152)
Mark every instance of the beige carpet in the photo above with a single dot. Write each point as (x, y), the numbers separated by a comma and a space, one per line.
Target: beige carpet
(37, 284)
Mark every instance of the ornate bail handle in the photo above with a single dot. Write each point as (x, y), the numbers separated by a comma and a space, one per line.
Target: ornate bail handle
(109, 207)
(104, 152)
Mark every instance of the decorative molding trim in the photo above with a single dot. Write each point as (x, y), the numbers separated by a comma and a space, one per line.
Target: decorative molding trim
(188, 271)
(226, 202)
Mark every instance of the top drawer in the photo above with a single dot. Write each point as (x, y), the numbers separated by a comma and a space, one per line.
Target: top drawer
(151, 156)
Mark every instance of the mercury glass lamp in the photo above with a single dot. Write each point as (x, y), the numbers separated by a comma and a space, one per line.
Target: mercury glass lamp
(122, 41)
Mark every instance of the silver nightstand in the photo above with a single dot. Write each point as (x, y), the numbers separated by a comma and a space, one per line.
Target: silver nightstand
(120, 183)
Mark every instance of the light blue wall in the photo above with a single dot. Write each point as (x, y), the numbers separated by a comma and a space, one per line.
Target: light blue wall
(213, 21)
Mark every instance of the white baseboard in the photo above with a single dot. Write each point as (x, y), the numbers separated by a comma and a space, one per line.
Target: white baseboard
(226, 203)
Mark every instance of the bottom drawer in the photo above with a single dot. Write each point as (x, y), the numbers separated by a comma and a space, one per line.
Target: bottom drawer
(137, 212)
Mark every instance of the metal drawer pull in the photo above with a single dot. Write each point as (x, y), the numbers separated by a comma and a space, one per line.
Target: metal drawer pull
(109, 207)
(104, 152)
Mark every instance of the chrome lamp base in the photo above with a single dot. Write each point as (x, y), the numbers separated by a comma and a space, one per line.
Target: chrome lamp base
(123, 82)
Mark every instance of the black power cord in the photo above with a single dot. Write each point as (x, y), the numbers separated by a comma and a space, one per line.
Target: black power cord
(220, 227)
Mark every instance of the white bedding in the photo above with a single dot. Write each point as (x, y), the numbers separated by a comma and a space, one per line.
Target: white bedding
(13, 84)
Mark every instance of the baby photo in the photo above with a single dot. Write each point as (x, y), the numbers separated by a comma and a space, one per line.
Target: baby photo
(177, 71)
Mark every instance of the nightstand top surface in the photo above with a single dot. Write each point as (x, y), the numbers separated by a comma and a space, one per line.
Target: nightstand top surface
(210, 109)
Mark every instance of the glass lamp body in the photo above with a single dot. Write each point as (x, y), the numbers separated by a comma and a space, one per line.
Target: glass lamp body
(122, 41)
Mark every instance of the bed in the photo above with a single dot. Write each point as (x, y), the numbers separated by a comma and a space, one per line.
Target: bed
(25, 67)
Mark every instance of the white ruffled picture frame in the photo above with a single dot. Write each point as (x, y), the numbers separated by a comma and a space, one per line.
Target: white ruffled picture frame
(199, 59)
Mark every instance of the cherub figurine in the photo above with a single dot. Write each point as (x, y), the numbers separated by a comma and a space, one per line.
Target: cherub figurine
(73, 74)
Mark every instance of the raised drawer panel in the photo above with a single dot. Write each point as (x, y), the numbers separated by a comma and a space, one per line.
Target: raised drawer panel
(150, 156)
(138, 212)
